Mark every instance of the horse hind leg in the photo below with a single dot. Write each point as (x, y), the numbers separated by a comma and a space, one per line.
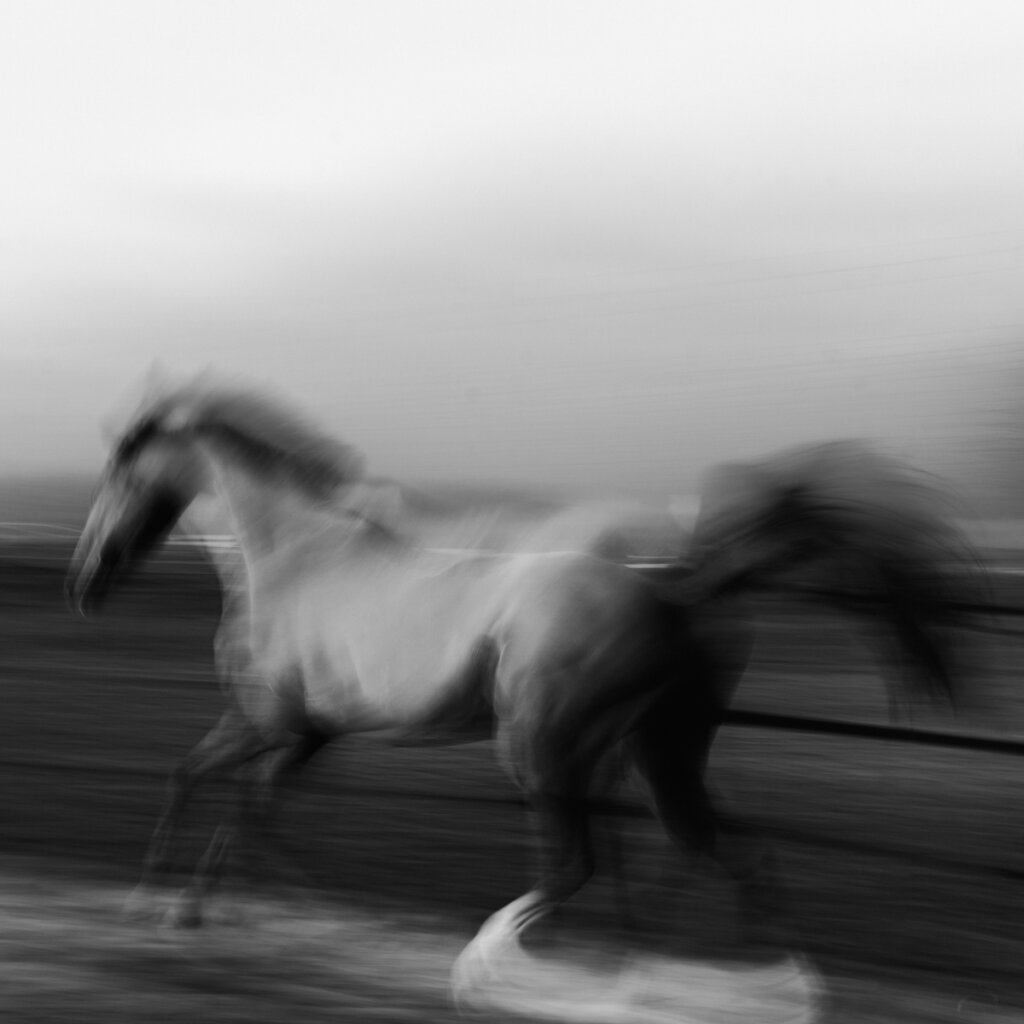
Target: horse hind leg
(568, 864)
(559, 798)
(671, 757)
(610, 840)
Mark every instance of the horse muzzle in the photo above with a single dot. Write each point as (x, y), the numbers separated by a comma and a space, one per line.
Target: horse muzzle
(86, 584)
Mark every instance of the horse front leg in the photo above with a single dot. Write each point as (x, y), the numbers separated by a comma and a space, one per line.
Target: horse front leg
(262, 799)
(230, 743)
(251, 816)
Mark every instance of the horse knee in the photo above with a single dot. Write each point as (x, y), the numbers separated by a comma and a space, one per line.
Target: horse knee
(180, 780)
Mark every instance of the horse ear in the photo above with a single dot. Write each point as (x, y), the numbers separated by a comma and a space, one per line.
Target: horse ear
(138, 396)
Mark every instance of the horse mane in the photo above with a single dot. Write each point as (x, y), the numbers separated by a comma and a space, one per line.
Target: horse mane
(263, 432)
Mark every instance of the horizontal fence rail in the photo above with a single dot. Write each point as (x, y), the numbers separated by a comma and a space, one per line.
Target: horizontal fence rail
(874, 731)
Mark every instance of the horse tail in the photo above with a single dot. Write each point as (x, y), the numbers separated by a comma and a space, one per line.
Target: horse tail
(842, 512)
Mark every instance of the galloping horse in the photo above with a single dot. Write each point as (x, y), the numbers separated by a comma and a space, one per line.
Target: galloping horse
(335, 624)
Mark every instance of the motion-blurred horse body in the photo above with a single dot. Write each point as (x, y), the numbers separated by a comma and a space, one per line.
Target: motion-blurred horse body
(336, 624)
(346, 627)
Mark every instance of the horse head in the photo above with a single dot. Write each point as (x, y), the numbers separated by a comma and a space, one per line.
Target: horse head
(164, 459)
(151, 476)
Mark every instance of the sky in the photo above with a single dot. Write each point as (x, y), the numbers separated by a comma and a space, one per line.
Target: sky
(600, 244)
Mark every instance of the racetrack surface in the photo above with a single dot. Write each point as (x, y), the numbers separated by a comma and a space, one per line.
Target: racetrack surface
(905, 863)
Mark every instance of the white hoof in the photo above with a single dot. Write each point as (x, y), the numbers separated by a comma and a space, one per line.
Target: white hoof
(473, 973)
(184, 912)
(144, 901)
(464, 982)
(496, 946)
(481, 967)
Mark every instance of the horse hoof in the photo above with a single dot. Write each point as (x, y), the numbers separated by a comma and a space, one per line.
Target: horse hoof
(143, 902)
(481, 967)
(182, 915)
(461, 983)
(233, 917)
(470, 975)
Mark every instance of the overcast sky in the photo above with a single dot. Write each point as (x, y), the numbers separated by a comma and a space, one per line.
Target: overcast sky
(604, 243)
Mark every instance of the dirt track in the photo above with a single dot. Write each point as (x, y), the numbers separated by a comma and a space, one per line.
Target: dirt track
(906, 864)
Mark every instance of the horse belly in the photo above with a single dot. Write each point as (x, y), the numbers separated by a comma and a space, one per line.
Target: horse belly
(400, 648)
(423, 680)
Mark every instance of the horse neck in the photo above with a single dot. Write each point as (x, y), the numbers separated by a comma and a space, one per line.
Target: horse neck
(209, 521)
(263, 513)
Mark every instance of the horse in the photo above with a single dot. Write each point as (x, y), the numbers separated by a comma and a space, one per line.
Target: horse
(336, 624)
